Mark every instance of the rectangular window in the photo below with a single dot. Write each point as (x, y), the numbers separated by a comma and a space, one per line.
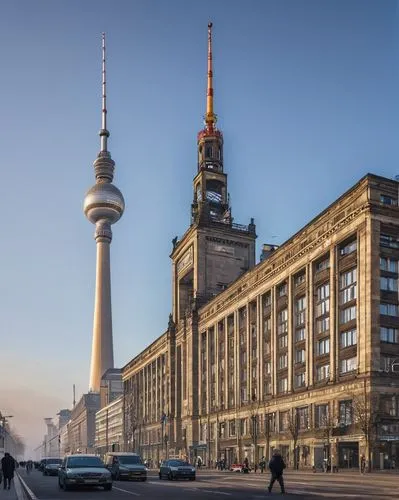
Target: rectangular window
(389, 309)
(282, 385)
(283, 341)
(386, 240)
(321, 416)
(323, 308)
(345, 412)
(323, 292)
(348, 248)
(389, 264)
(268, 367)
(348, 286)
(282, 290)
(387, 200)
(284, 420)
(386, 363)
(283, 361)
(303, 417)
(299, 279)
(267, 299)
(348, 365)
(267, 325)
(322, 264)
(323, 325)
(348, 314)
(300, 311)
(232, 428)
(349, 338)
(300, 380)
(390, 335)
(282, 326)
(323, 372)
(389, 284)
(300, 356)
(300, 335)
(323, 346)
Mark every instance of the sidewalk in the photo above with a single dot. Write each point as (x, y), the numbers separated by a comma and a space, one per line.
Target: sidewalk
(15, 493)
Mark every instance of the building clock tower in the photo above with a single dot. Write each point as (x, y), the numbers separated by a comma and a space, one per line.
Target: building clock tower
(214, 251)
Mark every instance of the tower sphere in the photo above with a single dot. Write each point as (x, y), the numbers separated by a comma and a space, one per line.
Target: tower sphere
(103, 201)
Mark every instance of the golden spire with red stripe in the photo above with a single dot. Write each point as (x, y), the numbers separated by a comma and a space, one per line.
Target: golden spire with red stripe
(210, 117)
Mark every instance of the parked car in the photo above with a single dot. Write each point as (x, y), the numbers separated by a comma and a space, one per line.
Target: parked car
(176, 469)
(83, 470)
(126, 466)
(50, 466)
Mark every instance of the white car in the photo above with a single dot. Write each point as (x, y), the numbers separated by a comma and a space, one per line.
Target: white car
(83, 470)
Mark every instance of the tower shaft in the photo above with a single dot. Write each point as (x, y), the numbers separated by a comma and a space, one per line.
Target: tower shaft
(102, 356)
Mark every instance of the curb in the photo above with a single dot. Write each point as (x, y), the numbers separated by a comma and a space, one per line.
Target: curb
(23, 491)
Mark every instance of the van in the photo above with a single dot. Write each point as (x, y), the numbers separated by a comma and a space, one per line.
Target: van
(125, 466)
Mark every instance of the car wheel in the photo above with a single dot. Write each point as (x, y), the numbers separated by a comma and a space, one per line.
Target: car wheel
(108, 487)
(44, 473)
(160, 476)
(143, 479)
(170, 477)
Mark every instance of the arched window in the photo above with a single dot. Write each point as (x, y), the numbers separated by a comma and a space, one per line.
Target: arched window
(209, 152)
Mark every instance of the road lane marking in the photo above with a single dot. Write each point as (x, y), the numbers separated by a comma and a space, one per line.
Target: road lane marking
(127, 491)
(29, 491)
(217, 492)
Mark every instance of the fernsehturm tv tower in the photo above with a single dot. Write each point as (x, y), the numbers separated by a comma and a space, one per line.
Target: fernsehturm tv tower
(103, 206)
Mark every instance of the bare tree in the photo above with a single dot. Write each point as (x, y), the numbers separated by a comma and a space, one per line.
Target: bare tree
(366, 416)
(293, 429)
(130, 420)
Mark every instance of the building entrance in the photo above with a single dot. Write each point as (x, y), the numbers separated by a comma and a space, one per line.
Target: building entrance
(348, 455)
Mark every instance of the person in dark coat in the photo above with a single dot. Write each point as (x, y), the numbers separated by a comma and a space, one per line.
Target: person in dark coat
(276, 466)
(8, 467)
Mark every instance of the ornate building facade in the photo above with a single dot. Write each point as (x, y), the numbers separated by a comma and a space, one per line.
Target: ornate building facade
(300, 351)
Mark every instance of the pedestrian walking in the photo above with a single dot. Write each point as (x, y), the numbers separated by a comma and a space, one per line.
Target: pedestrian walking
(262, 464)
(8, 467)
(276, 466)
(363, 464)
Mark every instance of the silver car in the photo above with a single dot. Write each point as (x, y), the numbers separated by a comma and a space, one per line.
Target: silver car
(83, 470)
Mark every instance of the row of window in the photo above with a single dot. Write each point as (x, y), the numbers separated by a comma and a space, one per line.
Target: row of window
(346, 366)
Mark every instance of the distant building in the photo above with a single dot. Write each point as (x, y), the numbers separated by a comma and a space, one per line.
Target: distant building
(109, 427)
(82, 426)
(111, 386)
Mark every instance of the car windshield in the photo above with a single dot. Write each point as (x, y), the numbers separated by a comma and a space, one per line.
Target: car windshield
(76, 462)
(54, 461)
(130, 460)
(177, 463)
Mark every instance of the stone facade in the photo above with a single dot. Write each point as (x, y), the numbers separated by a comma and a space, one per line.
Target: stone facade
(299, 352)
(109, 427)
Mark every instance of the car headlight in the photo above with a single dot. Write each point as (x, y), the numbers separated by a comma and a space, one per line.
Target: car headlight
(123, 468)
(73, 476)
(193, 470)
(106, 475)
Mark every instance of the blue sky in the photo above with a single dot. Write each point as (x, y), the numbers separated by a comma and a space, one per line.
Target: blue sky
(307, 98)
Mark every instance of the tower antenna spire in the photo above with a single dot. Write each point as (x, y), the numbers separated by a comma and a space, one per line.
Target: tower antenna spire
(210, 117)
(104, 134)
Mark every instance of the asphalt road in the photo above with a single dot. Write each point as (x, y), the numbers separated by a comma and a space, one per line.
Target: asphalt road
(211, 485)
